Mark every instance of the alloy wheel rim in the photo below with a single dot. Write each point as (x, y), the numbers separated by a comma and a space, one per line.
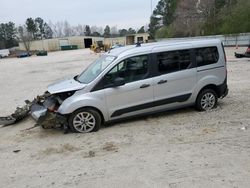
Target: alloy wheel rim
(84, 122)
(208, 101)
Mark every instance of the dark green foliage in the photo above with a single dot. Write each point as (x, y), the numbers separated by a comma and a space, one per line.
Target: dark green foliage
(38, 28)
(131, 31)
(181, 18)
(141, 30)
(96, 34)
(164, 12)
(48, 33)
(8, 35)
(31, 27)
(123, 32)
(106, 31)
(237, 18)
(87, 31)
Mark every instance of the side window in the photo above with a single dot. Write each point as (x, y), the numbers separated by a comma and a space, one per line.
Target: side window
(206, 56)
(184, 59)
(131, 69)
(173, 61)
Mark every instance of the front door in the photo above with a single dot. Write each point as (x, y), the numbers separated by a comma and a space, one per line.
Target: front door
(130, 98)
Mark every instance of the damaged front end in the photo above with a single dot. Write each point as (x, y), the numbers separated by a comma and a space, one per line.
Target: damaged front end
(43, 109)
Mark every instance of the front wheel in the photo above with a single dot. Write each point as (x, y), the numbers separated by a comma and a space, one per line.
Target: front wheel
(206, 100)
(85, 120)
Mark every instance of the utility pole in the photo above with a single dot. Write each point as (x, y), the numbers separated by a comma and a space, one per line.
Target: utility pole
(151, 7)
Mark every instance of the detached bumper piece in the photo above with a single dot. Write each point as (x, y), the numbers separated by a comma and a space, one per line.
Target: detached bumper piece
(18, 115)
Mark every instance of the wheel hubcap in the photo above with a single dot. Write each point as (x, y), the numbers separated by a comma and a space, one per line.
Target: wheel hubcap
(208, 101)
(84, 122)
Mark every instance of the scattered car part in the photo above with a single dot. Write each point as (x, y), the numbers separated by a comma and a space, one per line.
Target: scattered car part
(246, 54)
(19, 114)
(42, 109)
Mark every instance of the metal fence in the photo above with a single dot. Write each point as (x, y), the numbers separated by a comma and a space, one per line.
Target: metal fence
(242, 39)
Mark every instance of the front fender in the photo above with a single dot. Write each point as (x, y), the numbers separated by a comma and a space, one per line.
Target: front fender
(75, 102)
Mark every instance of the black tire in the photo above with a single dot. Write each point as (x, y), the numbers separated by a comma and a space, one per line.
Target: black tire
(206, 100)
(84, 120)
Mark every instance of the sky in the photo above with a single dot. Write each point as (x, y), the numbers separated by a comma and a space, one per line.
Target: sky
(120, 13)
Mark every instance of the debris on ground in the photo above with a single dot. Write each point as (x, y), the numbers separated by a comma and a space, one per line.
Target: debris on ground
(16, 151)
(246, 54)
(42, 109)
(243, 128)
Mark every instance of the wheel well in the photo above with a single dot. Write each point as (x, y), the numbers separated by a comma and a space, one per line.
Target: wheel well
(211, 86)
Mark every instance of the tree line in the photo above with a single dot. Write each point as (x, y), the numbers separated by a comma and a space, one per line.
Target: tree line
(181, 18)
(38, 29)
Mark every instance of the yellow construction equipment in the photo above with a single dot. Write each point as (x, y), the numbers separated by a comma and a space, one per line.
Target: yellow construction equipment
(98, 47)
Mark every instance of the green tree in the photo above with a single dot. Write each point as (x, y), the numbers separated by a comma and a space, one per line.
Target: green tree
(31, 27)
(40, 28)
(123, 32)
(8, 35)
(237, 18)
(131, 31)
(141, 30)
(164, 32)
(96, 34)
(48, 33)
(87, 31)
(44, 30)
(164, 12)
(106, 31)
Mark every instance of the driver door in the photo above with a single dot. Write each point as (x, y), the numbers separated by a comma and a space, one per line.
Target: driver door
(130, 98)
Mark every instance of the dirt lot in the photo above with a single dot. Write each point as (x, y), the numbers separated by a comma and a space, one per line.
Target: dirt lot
(182, 148)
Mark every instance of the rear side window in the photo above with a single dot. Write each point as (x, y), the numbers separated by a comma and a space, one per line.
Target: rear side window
(206, 56)
(173, 61)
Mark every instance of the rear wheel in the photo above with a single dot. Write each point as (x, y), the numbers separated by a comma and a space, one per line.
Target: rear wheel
(85, 120)
(206, 100)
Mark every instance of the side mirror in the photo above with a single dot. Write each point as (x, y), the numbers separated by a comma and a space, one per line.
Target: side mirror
(119, 82)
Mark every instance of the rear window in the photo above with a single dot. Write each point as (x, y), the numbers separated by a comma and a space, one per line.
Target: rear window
(206, 56)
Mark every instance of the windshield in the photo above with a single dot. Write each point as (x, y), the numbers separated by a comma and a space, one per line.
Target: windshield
(95, 69)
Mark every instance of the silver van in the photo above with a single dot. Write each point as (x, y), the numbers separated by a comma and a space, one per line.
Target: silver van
(142, 79)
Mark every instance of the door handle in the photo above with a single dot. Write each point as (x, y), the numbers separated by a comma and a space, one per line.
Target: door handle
(145, 85)
(162, 82)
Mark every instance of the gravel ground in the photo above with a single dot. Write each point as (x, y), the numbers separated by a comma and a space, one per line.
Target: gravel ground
(182, 148)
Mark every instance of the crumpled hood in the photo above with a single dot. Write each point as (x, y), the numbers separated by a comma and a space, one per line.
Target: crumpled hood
(65, 85)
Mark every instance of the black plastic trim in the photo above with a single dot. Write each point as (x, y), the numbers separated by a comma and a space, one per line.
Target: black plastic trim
(180, 98)
(223, 89)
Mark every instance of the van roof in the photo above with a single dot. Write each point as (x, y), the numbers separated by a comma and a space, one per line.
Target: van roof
(148, 47)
